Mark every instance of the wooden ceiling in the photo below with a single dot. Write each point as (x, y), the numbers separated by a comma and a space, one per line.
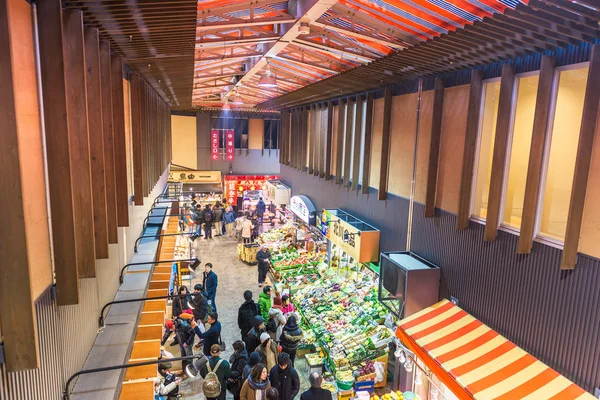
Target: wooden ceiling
(196, 53)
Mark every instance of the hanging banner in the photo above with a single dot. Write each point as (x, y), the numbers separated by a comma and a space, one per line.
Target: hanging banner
(230, 145)
(214, 144)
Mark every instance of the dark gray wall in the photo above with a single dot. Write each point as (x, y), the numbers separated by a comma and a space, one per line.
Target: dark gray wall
(246, 162)
(553, 314)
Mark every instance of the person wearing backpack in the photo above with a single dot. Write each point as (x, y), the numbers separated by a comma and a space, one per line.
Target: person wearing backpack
(276, 320)
(166, 385)
(208, 222)
(215, 374)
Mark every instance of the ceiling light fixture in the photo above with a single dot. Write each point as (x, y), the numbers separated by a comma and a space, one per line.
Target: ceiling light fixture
(267, 80)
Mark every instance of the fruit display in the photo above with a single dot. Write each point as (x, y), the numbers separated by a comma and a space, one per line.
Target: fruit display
(300, 276)
(397, 395)
(295, 259)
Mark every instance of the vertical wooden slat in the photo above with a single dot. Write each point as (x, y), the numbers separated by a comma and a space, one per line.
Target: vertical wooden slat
(311, 138)
(434, 148)
(294, 147)
(136, 136)
(339, 152)
(96, 131)
(367, 148)
(348, 140)
(120, 149)
(50, 28)
(329, 141)
(357, 138)
(385, 144)
(536, 154)
(466, 179)
(505, 107)
(305, 129)
(109, 155)
(17, 315)
(79, 142)
(317, 138)
(323, 139)
(583, 161)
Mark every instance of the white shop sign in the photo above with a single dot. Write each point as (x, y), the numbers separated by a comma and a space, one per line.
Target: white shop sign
(303, 208)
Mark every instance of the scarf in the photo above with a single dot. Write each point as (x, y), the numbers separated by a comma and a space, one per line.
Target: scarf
(262, 386)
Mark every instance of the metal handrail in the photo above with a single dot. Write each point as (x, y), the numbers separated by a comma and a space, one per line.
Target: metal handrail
(144, 224)
(66, 395)
(170, 296)
(135, 246)
(153, 262)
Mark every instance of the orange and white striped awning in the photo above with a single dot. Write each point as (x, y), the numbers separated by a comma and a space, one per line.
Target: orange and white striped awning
(481, 363)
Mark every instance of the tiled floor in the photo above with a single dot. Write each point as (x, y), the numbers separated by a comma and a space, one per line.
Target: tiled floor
(234, 278)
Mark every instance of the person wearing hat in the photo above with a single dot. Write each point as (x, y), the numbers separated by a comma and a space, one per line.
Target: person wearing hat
(276, 319)
(268, 350)
(223, 372)
(252, 361)
(166, 384)
(291, 336)
(212, 336)
(253, 337)
(238, 362)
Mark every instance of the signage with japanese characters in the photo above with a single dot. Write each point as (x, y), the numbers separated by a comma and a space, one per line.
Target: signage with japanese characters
(363, 246)
(235, 185)
(304, 209)
(229, 145)
(195, 176)
(214, 144)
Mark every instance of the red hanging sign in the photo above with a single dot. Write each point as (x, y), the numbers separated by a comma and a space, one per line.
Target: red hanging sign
(229, 145)
(214, 144)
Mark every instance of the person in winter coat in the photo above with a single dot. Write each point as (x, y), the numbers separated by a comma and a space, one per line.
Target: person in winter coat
(208, 222)
(239, 225)
(264, 302)
(229, 220)
(184, 332)
(284, 378)
(198, 218)
(316, 392)
(180, 303)
(286, 305)
(247, 230)
(255, 387)
(276, 320)
(212, 335)
(166, 384)
(291, 336)
(210, 281)
(223, 372)
(238, 362)
(252, 361)
(263, 258)
(255, 227)
(253, 337)
(246, 314)
(261, 208)
(199, 304)
(218, 219)
(268, 351)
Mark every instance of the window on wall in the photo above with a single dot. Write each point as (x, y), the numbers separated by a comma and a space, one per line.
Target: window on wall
(271, 134)
(239, 126)
(561, 152)
(522, 130)
(487, 134)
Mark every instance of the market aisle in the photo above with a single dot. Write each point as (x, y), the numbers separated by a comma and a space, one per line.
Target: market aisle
(234, 278)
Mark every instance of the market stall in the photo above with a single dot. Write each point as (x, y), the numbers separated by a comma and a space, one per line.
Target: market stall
(278, 195)
(206, 185)
(244, 191)
(451, 355)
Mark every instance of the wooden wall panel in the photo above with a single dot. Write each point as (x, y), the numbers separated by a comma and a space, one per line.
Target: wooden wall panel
(536, 154)
(356, 150)
(385, 144)
(454, 123)
(583, 162)
(402, 143)
(366, 172)
(472, 130)
(334, 139)
(57, 151)
(339, 148)
(17, 316)
(185, 151)
(318, 138)
(376, 134)
(96, 135)
(348, 132)
(323, 142)
(79, 144)
(311, 137)
(120, 147)
(590, 227)
(137, 96)
(256, 133)
(328, 142)
(423, 145)
(434, 149)
(503, 126)
(109, 155)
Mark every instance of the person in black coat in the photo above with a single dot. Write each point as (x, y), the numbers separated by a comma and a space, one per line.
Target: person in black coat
(199, 304)
(238, 362)
(210, 282)
(185, 336)
(316, 392)
(212, 335)
(291, 336)
(253, 338)
(246, 315)
(181, 303)
(284, 378)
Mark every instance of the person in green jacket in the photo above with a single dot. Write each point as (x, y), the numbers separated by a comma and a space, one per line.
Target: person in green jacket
(264, 302)
(223, 372)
